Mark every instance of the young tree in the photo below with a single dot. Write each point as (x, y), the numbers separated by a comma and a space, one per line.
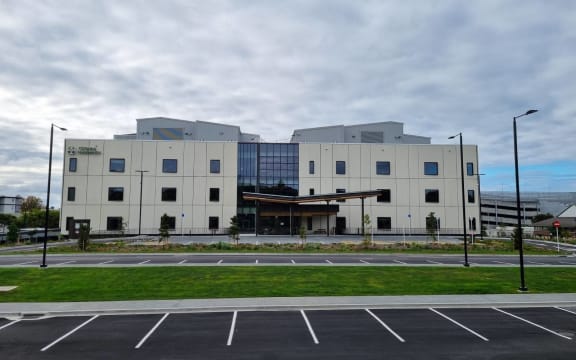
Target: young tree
(12, 235)
(367, 222)
(303, 235)
(84, 237)
(164, 229)
(431, 225)
(234, 230)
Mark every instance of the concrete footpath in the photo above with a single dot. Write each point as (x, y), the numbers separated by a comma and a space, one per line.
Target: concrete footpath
(37, 310)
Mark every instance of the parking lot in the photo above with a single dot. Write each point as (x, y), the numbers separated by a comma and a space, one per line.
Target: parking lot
(433, 333)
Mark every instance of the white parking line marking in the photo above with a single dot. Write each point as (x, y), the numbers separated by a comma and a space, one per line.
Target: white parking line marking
(434, 262)
(329, 262)
(26, 263)
(365, 262)
(531, 323)
(385, 326)
(256, 262)
(567, 263)
(219, 261)
(559, 308)
(309, 327)
(9, 324)
(68, 333)
(535, 263)
(106, 262)
(501, 262)
(232, 327)
(181, 262)
(151, 331)
(144, 262)
(293, 262)
(400, 262)
(66, 262)
(459, 324)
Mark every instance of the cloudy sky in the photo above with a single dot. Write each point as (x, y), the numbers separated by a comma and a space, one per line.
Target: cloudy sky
(441, 67)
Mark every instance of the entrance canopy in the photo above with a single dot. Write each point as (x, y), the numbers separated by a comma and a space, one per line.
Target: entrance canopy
(284, 199)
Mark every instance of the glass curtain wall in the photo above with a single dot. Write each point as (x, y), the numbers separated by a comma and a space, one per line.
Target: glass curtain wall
(267, 169)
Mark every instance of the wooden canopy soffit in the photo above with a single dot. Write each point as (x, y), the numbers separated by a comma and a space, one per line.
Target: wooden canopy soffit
(284, 199)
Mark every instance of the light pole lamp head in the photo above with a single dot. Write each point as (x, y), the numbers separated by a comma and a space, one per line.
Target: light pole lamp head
(452, 137)
(530, 112)
(59, 127)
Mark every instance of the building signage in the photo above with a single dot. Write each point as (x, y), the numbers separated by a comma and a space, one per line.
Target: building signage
(83, 150)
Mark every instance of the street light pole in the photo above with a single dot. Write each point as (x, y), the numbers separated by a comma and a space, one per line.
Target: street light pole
(140, 214)
(466, 264)
(518, 215)
(46, 217)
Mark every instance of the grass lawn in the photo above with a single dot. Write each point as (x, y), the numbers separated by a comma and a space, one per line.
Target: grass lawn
(102, 284)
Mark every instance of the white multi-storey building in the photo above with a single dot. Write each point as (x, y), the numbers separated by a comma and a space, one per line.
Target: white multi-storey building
(197, 174)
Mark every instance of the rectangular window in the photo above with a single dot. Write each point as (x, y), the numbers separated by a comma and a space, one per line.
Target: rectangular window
(72, 164)
(169, 165)
(311, 192)
(471, 197)
(340, 191)
(214, 166)
(213, 222)
(214, 194)
(115, 194)
(168, 221)
(340, 167)
(432, 196)
(117, 165)
(384, 223)
(382, 167)
(311, 167)
(469, 169)
(168, 194)
(384, 196)
(71, 194)
(309, 223)
(430, 168)
(114, 223)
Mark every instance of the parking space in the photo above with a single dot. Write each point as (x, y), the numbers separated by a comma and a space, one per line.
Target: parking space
(528, 333)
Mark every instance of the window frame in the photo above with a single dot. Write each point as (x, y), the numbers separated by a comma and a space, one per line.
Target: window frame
(384, 198)
(341, 191)
(471, 196)
(431, 191)
(72, 164)
(115, 189)
(113, 169)
(382, 221)
(109, 221)
(215, 166)
(166, 193)
(470, 168)
(213, 222)
(71, 193)
(383, 171)
(167, 167)
(311, 167)
(214, 195)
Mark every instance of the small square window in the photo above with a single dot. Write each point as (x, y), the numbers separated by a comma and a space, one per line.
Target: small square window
(114, 223)
(169, 165)
(432, 196)
(71, 194)
(117, 165)
(72, 164)
(382, 167)
(341, 167)
(213, 222)
(384, 223)
(115, 194)
(471, 197)
(311, 167)
(311, 192)
(214, 194)
(384, 196)
(430, 168)
(168, 194)
(469, 169)
(214, 166)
